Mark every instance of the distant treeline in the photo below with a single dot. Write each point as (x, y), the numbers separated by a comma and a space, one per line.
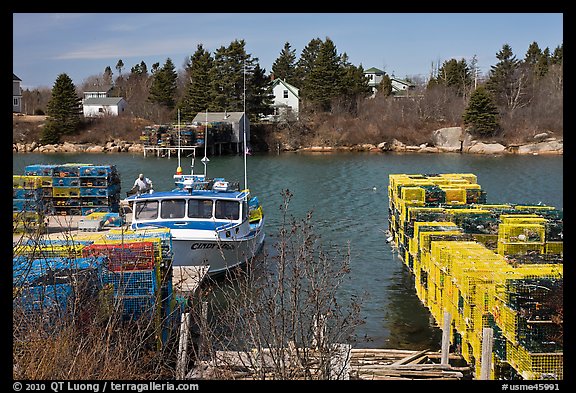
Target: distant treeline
(515, 100)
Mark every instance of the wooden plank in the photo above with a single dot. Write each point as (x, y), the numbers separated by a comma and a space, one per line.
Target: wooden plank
(409, 358)
(418, 360)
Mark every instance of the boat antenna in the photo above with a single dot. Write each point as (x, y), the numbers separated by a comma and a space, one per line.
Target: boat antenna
(244, 136)
(205, 159)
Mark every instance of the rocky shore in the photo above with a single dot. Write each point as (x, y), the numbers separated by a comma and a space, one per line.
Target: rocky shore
(445, 140)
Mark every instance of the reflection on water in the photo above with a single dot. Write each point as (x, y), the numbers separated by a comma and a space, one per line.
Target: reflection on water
(347, 195)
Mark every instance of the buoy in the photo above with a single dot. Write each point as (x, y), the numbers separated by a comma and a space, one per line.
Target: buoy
(179, 170)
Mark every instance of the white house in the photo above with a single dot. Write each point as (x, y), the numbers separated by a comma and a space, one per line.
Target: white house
(97, 102)
(374, 76)
(16, 94)
(286, 101)
(399, 86)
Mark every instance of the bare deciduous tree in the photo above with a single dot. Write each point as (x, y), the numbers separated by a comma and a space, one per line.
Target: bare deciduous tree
(285, 317)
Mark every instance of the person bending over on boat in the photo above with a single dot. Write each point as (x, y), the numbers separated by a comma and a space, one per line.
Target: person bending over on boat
(142, 184)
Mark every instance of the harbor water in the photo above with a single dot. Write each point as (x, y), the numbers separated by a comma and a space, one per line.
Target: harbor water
(347, 195)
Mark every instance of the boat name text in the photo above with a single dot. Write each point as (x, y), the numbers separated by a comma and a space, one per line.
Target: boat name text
(209, 246)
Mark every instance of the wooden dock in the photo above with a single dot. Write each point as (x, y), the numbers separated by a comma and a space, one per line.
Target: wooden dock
(386, 364)
(347, 364)
(187, 279)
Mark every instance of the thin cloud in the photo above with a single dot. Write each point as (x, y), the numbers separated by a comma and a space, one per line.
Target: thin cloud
(115, 49)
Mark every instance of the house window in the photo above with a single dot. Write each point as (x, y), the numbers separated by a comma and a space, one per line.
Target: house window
(285, 93)
(15, 101)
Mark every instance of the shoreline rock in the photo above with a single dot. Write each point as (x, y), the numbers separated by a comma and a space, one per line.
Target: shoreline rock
(549, 147)
(444, 140)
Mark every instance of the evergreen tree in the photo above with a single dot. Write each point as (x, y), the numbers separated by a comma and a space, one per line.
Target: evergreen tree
(557, 55)
(259, 97)
(503, 78)
(541, 67)
(532, 54)
(64, 111)
(325, 80)
(163, 88)
(139, 69)
(354, 81)
(306, 62)
(284, 66)
(119, 66)
(354, 85)
(107, 76)
(481, 115)
(454, 74)
(385, 86)
(197, 96)
(227, 77)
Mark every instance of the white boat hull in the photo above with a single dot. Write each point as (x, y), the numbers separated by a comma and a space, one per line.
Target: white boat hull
(219, 254)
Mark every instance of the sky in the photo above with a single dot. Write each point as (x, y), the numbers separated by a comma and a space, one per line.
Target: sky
(411, 45)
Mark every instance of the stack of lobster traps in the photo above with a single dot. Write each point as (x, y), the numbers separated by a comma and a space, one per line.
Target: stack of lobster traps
(497, 266)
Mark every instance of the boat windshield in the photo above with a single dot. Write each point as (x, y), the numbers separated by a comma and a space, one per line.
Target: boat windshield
(229, 210)
(147, 210)
(173, 208)
(200, 208)
(197, 208)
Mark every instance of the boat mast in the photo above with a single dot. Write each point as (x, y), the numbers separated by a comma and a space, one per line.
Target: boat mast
(179, 165)
(244, 136)
(205, 159)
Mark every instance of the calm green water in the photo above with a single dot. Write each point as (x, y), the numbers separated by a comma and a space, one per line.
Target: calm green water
(339, 190)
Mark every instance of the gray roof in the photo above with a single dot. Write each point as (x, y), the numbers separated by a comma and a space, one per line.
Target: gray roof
(103, 101)
(15, 78)
(215, 117)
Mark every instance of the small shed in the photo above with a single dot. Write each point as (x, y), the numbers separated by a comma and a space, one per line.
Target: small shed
(104, 106)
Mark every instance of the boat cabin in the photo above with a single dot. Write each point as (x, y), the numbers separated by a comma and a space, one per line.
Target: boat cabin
(188, 207)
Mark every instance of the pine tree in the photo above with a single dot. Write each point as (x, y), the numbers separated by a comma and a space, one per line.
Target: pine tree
(305, 63)
(64, 111)
(198, 92)
(119, 66)
(354, 81)
(354, 85)
(227, 77)
(139, 69)
(481, 115)
(532, 54)
(259, 97)
(284, 66)
(385, 86)
(503, 78)
(541, 67)
(325, 79)
(557, 55)
(163, 88)
(107, 76)
(454, 74)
